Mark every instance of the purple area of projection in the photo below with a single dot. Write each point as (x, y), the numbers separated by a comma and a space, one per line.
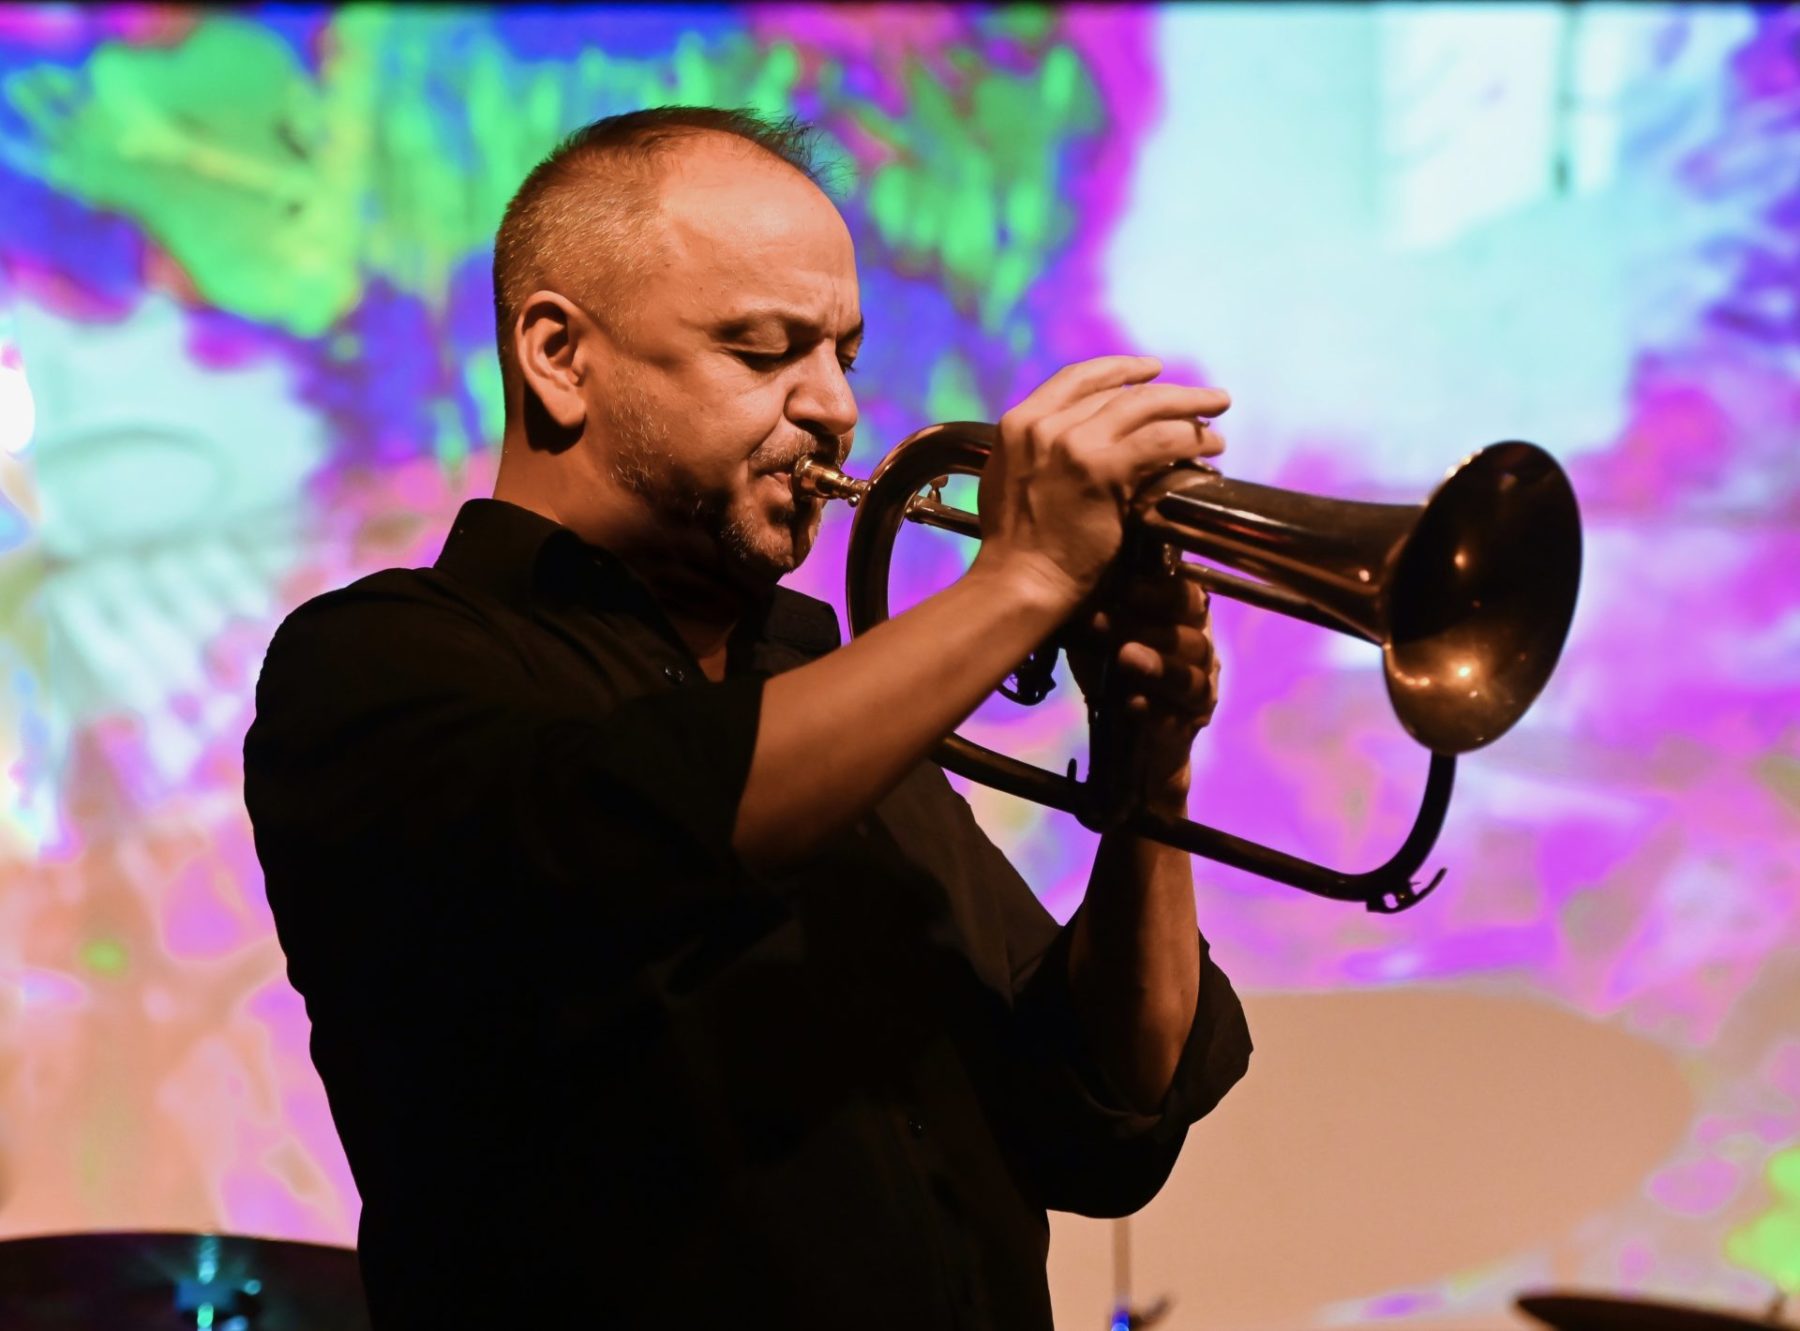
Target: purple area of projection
(221, 340)
(1764, 299)
(72, 32)
(303, 28)
(1407, 1304)
(469, 309)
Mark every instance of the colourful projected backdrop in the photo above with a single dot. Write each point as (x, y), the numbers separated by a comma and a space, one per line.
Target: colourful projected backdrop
(245, 355)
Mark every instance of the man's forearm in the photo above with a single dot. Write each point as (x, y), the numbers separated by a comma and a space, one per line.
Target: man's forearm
(1134, 963)
(838, 733)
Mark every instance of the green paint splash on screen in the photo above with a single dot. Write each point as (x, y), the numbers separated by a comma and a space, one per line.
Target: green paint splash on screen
(1770, 1244)
(450, 441)
(481, 380)
(213, 146)
(953, 394)
(973, 179)
(281, 196)
(105, 956)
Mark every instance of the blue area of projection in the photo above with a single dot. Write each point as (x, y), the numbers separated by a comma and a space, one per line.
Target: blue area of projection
(637, 31)
(15, 530)
(908, 321)
(300, 27)
(469, 313)
(40, 222)
(1763, 301)
(69, 39)
(376, 383)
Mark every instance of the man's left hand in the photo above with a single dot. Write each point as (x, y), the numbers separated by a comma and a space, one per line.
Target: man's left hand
(1157, 627)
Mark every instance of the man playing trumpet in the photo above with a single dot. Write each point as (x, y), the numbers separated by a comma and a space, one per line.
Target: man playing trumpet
(642, 984)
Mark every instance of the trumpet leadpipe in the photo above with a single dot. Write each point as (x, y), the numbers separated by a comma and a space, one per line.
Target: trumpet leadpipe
(818, 480)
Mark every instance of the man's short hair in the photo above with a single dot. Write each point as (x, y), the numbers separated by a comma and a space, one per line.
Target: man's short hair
(585, 209)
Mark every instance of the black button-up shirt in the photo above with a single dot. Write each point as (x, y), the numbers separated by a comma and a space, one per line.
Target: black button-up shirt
(588, 1066)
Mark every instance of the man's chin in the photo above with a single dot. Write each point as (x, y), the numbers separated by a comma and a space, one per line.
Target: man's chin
(769, 546)
(768, 554)
(780, 561)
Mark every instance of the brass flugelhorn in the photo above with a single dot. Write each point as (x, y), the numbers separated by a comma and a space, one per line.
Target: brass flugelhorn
(1469, 595)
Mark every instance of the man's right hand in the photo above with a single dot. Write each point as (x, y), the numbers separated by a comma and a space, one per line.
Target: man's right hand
(1056, 491)
(1054, 498)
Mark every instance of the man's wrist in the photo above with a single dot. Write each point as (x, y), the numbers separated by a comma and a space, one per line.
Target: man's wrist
(1170, 797)
(1034, 585)
(1170, 800)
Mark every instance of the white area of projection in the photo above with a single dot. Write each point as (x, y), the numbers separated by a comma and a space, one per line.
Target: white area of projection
(18, 413)
(171, 448)
(169, 507)
(1396, 233)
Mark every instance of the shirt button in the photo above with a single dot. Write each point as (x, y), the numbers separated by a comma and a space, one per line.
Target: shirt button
(915, 1125)
(675, 674)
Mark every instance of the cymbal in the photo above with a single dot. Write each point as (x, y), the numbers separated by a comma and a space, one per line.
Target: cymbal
(1588, 1312)
(158, 1282)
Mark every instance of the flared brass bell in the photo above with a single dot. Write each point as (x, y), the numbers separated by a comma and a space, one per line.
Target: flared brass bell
(1469, 595)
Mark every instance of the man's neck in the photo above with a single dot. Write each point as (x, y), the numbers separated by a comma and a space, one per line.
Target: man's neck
(704, 611)
(703, 607)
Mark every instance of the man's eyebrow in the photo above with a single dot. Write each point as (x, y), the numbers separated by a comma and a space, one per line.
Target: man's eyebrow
(737, 325)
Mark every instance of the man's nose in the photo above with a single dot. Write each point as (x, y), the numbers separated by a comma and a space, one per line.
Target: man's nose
(822, 402)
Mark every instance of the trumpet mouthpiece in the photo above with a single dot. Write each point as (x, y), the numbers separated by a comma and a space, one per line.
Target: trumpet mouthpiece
(818, 480)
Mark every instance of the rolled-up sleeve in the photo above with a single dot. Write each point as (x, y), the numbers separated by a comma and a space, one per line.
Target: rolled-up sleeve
(1092, 1153)
(1077, 1141)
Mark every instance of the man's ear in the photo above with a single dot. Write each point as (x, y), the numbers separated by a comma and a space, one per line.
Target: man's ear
(554, 340)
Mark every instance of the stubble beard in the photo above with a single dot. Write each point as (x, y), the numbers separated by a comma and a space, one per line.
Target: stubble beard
(644, 461)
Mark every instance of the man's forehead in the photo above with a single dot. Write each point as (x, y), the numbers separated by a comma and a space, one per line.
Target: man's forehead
(718, 204)
(754, 243)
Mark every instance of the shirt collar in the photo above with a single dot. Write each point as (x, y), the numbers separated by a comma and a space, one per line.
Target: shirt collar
(524, 558)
